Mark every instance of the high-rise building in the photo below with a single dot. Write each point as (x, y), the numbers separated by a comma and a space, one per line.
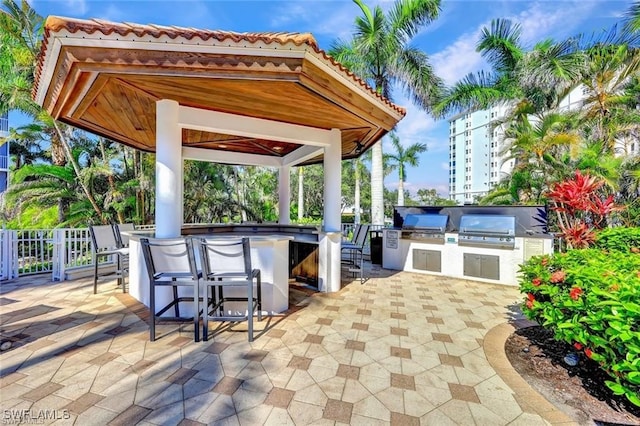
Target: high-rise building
(477, 158)
(475, 165)
(4, 152)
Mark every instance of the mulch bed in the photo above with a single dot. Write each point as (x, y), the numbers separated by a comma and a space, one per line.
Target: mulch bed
(579, 391)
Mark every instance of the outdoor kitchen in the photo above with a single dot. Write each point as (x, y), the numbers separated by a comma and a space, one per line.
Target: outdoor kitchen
(472, 242)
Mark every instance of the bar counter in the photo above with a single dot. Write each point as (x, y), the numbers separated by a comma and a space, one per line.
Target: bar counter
(269, 253)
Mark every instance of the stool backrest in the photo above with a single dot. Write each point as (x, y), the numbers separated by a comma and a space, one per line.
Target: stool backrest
(169, 256)
(123, 239)
(225, 256)
(103, 237)
(362, 235)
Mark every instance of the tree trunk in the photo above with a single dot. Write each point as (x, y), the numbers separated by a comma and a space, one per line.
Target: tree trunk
(137, 172)
(76, 169)
(300, 193)
(356, 195)
(240, 194)
(401, 193)
(58, 157)
(377, 185)
(111, 181)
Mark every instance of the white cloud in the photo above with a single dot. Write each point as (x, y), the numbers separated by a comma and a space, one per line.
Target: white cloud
(546, 20)
(444, 166)
(323, 18)
(458, 59)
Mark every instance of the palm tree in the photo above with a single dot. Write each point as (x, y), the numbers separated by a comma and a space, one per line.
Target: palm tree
(400, 159)
(380, 53)
(45, 186)
(21, 33)
(540, 77)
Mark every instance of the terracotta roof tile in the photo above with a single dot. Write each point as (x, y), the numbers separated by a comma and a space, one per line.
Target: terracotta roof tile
(55, 24)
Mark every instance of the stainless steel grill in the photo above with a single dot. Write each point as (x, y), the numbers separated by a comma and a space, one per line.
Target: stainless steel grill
(492, 231)
(427, 228)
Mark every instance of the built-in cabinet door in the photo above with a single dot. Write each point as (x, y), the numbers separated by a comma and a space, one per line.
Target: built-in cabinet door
(427, 260)
(481, 266)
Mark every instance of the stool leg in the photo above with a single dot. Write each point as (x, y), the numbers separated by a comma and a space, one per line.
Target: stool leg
(176, 307)
(95, 273)
(259, 289)
(205, 313)
(250, 309)
(152, 314)
(196, 311)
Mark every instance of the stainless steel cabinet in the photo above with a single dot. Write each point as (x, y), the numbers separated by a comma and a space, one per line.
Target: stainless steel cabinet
(481, 266)
(427, 260)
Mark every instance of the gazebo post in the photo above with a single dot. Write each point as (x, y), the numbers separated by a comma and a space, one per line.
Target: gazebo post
(284, 195)
(169, 170)
(329, 267)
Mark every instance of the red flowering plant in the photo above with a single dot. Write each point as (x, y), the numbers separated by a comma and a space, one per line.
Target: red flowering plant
(581, 208)
(591, 299)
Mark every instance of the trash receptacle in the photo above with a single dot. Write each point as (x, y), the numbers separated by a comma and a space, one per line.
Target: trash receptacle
(376, 247)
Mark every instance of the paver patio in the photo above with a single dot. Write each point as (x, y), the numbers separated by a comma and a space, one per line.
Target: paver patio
(402, 349)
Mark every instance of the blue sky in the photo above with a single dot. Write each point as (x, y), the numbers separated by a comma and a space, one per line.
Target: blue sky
(449, 41)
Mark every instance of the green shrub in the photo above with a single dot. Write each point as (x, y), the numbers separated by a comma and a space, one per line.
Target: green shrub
(619, 239)
(591, 299)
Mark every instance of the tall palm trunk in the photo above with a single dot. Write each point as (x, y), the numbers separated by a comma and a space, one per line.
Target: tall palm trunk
(300, 193)
(240, 194)
(401, 193)
(356, 195)
(110, 180)
(377, 185)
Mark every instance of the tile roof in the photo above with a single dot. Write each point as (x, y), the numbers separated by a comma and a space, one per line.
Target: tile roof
(55, 24)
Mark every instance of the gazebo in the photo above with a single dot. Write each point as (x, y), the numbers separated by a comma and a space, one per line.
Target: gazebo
(268, 99)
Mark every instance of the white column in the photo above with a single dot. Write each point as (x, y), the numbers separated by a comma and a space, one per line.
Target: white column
(330, 242)
(169, 179)
(284, 195)
(333, 183)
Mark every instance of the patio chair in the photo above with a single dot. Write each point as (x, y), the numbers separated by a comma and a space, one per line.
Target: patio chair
(355, 251)
(226, 264)
(171, 263)
(105, 245)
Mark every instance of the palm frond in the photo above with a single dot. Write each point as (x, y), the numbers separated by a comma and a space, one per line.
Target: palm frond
(415, 74)
(408, 16)
(500, 45)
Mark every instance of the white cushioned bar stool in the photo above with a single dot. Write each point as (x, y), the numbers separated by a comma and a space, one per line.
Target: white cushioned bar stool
(225, 264)
(171, 263)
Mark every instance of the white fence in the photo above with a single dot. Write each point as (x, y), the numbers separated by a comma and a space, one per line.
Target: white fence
(36, 251)
(57, 251)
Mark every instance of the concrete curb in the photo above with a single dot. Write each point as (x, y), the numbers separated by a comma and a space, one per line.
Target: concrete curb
(528, 398)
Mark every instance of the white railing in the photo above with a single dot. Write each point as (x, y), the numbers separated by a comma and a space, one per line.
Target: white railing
(58, 251)
(8, 254)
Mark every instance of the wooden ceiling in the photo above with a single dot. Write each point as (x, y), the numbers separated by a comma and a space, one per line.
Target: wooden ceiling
(106, 78)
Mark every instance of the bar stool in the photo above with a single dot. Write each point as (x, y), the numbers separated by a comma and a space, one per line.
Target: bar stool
(355, 252)
(227, 263)
(105, 244)
(123, 238)
(171, 263)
